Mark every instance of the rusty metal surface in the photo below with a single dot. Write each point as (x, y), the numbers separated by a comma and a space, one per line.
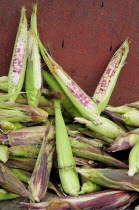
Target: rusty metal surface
(82, 36)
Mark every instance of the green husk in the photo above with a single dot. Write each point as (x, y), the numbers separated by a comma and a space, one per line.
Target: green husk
(119, 109)
(65, 158)
(5, 125)
(109, 78)
(22, 175)
(131, 117)
(134, 160)
(84, 148)
(12, 183)
(21, 163)
(5, 195)
(111, 178)
(13, 112)
(66, 103)
(89, 187)
(29, 151)
(16, 79)
(4, 154)
(40, 177)
(105, 127)
(62, 78)
(33, 71)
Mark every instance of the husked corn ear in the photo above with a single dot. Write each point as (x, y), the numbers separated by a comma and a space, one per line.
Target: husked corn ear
(86, 107)
(19, 58)
(33, 72)
(68, 176)
(108, 80)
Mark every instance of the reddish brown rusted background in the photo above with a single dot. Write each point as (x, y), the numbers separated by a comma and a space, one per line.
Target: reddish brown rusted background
(82, 36)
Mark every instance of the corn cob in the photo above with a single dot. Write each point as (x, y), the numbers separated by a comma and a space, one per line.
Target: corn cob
(79, 99)
(69, 107)
(12, 112)
(134, 160)
(89, 187)
(40, 177)
(65, 158)
(111, 178)
(29, 151)
(5, 195)
(12, 183)
(4, 154)
(33, 71)
(108, 80)
(22, 175)
(18, 62)
(21, 163)
(107, 199)
(84, 149)
(105, 128)
(126, 141)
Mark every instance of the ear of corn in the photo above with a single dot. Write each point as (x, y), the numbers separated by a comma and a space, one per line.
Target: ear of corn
(70, 108)
(5, 125)
(28, 151)
(12, 183)
(40, 177)
(13, 112)
(82, 148)
(5, 195)
(79, 99)
(26, 136)
(131, 118)
(18, 62)
(4, 154)
(111, 178)
(33, 71)
(126, 141)
(21, 163)
(65, 158)
(22, 175)
(119, 109)
(108, 81)
(107, 199)
(134, 160)
(89, 187)
(105, 127)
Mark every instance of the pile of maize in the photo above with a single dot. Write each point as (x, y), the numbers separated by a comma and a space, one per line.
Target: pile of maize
(53, 136)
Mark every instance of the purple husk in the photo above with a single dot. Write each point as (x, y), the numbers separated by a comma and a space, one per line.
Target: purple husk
(103, 200)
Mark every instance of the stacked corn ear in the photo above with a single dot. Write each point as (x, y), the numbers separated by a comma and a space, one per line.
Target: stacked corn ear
(66, 164)
(33, 71)
(108, 80)
(19, 58)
